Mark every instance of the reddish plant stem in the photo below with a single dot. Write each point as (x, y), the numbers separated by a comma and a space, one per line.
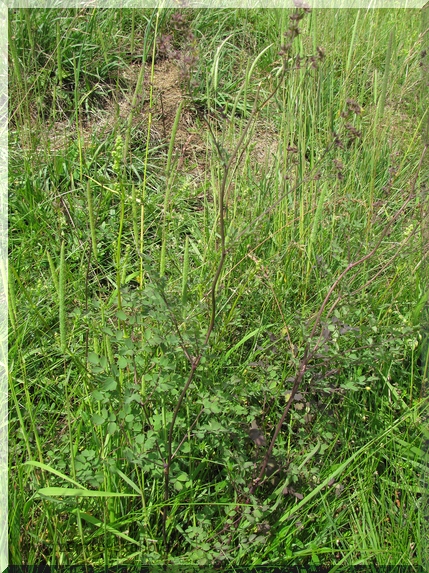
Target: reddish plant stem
(308, 355)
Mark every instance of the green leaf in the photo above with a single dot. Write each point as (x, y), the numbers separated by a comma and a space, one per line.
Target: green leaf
(69, 492)
(52, 471)
(103, 527)
(215, 426)
(186, 448)
(349, 386)
(97, 395)
(129, 482)
(93, 358)
(112, 427)
(109, 385)
(97, 419)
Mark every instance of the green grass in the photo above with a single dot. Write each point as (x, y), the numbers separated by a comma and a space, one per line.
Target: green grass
(176, 274)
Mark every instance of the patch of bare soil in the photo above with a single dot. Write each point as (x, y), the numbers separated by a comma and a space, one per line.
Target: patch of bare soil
(166, 97)
(167, 94)
(264, 145)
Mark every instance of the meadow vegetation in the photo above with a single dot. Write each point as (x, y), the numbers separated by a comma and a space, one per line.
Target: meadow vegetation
(217, 286)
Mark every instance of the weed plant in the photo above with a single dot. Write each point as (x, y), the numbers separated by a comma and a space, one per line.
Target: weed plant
(216, 285)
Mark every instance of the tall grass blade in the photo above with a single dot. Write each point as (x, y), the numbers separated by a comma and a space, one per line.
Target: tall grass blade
(185, 272)
(352, 44)
(170, 179)
(315, 227)
(91, 220)
(173, 137)
(382, 100)
(62, 299)
(54, 273)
